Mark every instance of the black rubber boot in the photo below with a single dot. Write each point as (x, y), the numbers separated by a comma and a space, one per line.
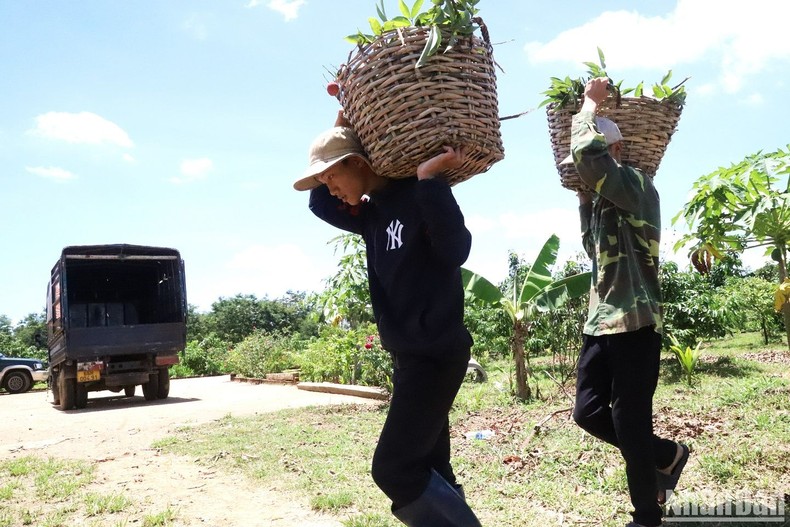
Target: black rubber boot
(439, 505)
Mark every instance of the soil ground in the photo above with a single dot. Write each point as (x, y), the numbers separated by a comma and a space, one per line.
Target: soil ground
(117, 433)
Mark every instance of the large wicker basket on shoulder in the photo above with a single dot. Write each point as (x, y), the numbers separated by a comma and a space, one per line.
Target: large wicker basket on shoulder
(404, 115)
(647, 126)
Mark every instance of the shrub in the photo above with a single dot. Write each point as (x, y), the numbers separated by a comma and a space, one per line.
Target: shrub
(205, 357)
(560, 333)
(696, 307)
(755, 297)
(261, 353)
(490, 329)
(348, 356)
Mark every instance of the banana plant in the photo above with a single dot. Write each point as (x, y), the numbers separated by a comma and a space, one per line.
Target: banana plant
(688, 358)
(538, 293)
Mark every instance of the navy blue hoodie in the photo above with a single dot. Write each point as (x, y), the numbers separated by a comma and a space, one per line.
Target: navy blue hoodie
(416, 241)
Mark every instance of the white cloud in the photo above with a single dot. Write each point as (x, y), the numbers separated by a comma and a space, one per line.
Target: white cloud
(525, 233)
(263, 270)
(755, 99)
(705, 89)
(129, 158)
(58, 174)
(195, 26)
(80, 128)
(743, 38)
(535, 226)
(529, 231)
(478, 224)
(288, 8)
(194, 170)
(539, 225)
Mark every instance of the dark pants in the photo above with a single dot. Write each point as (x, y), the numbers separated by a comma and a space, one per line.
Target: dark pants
(618, 375)
(416, 434)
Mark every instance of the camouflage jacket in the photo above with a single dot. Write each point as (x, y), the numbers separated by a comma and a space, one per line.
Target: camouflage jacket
(621, 231)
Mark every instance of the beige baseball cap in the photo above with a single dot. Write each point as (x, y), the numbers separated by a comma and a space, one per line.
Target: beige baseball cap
(609, 130)
(330, 147)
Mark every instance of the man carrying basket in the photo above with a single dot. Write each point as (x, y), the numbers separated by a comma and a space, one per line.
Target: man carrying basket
(416, 241)
(619, 359)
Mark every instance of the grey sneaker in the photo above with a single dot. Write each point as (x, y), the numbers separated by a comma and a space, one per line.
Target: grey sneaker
(668, 482)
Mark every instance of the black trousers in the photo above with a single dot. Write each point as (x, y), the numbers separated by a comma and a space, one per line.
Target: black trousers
(416, 434)
(618, 375)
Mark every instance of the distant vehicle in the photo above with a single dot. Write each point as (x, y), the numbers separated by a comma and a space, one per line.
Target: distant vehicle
(18, 375)
(116, 319)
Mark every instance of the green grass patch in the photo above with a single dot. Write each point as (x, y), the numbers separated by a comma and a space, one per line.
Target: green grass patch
(53, 492)
(323, 452)
(7, 491)
(539, 468)
(98, 504)
(164, 518)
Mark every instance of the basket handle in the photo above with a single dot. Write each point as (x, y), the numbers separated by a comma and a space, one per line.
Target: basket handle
(483, 29)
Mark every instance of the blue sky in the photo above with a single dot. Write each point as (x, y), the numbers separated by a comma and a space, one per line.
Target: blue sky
(184, 123)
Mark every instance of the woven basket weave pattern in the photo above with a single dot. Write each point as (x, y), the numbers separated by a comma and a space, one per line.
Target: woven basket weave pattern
(647, 126)
(404, 116)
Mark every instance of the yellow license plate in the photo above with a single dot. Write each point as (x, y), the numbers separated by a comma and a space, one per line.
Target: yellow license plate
(87, 376)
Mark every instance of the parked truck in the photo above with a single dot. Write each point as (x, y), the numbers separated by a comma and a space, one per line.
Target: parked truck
(116, 319)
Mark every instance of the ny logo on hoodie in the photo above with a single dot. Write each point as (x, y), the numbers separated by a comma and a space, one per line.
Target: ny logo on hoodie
(394, 235)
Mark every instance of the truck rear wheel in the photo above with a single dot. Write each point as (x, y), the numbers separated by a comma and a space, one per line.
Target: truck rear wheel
(67, 391)
(151, 388)
(164, 383)
(129, 390)
(53, 379)
(80, 395)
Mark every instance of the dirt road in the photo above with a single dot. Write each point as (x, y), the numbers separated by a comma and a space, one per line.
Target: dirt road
(118, 431)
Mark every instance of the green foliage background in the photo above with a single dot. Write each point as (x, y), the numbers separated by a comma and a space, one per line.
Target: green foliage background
(325, 335)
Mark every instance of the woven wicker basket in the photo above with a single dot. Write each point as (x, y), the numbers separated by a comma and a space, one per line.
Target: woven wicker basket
(405, 115)
(647, 126)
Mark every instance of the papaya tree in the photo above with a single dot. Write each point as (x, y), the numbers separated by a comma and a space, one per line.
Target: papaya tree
(741, 207)
(526, 300)
(346, 298)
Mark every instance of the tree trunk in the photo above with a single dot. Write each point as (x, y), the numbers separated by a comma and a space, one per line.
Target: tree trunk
(786, 308)
(786, 314)
(523, 391)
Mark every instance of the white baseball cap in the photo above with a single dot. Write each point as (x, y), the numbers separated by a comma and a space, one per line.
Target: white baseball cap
(609, 130)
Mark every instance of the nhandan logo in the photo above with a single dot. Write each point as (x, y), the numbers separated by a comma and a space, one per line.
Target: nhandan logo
(739, 509)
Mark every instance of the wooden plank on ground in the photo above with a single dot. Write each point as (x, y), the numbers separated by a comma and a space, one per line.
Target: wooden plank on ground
(368, 392)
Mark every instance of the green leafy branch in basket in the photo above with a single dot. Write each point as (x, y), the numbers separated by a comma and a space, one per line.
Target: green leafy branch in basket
(568, 92)
(456, 16)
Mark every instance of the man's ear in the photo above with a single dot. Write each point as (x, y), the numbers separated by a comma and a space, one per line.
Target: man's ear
(358, 162)
(616, 151)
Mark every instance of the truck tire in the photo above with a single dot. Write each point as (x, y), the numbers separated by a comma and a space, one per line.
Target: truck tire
(164, 383)
(53, 380)
(80, 395)
(17, 382)
(151, 388)
(67, 391)
(129, 390)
